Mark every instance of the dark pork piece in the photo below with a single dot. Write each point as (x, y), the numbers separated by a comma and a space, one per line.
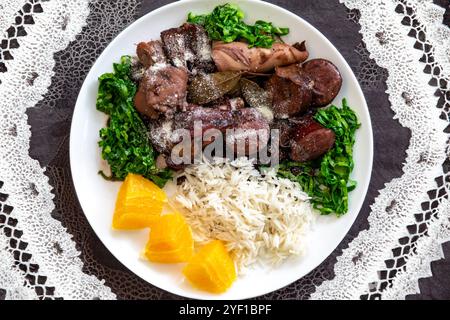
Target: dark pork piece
(205, 119)
(165, 134)
(164, 138)
(327, 81)
(228, 104)
(295, 73)
(310, 140)
(250, 126)
(301, 46)
(189, 47)
(161, 135)
(141, 104)
(289, 97)
(150, 53)
(239, 126)
(163, 89)
(175, 166)
(237, 56)
(285, 127)
(211, 118)
(137, 70)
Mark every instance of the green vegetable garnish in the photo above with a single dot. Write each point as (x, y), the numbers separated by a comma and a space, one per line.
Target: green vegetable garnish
(326, 180)
(225, 23)
(124, 140)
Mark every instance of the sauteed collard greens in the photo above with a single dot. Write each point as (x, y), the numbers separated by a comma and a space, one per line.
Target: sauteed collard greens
(225, 23)
(124, 140)
(326, 179)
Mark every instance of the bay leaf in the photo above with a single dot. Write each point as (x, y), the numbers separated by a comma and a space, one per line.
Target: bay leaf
(205, 88)
(256, 97)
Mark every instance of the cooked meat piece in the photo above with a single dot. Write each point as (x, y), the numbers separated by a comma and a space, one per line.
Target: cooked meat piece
(161, 135)
(137, 69)
(150, 53)
(228, 104)
(161, 161)
(140, 102)
(250, 126)
(295, 73)
(211, 118)
(200, 45)
(176, 47)
(237, 56)
(327, 80)
(198, 120)
(285, 127)
(246, 125)
(189, 47)
(310, 140)
(172, 165)
(301, 46)
(288, 98)
(246, 121)
(165, 137)
(235, 104)
(165, 90)
(285, 135)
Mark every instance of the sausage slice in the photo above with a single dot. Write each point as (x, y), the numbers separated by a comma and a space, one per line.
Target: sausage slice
(310, 140)
(288, 97)
(327, 80)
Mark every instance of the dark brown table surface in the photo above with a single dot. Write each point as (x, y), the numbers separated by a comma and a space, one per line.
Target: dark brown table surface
(49, 144)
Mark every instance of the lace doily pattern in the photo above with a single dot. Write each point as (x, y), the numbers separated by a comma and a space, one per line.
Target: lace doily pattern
(9, 11)
(12, 35)
(13, 256)
(71, 66)
(38, 245)
(54, 110)
(424, 234)
(410, 217)
(404, 51)
(11, 280)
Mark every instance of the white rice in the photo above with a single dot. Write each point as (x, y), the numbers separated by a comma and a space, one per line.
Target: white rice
(262, 218)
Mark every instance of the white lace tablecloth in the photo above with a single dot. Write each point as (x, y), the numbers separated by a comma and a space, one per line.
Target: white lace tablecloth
(40, 258)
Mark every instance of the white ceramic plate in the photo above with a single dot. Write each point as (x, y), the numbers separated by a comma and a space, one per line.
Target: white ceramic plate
(97, 196)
